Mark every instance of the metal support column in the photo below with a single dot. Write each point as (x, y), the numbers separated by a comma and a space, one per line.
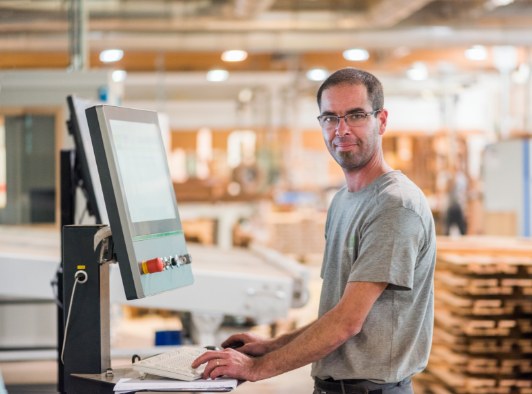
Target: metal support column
(86, 309)
(78, 35)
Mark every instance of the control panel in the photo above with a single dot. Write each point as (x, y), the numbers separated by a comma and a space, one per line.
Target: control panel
(158, 264)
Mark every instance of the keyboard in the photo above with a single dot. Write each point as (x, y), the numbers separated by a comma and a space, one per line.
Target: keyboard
(174, 364)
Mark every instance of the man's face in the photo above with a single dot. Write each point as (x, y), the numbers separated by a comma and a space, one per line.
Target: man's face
(352, 146)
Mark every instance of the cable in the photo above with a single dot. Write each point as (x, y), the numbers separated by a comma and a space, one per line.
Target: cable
(78, 279)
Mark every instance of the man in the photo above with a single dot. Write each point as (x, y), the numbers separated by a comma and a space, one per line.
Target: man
(375, 320)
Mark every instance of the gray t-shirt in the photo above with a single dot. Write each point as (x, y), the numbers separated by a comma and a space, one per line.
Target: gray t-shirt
(382, 233)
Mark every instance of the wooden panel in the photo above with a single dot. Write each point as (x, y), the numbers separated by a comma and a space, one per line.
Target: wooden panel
(184, 140)
(23, 60)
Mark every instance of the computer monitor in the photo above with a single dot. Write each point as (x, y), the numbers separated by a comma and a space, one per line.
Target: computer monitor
(148, 237)
(85, 160)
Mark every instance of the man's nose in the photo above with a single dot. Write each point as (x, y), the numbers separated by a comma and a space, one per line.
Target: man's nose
(342, 128)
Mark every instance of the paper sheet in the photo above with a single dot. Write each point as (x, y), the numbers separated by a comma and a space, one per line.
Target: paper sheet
(126, 385)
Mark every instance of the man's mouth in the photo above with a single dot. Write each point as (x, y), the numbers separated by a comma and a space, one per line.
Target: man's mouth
(343, 145)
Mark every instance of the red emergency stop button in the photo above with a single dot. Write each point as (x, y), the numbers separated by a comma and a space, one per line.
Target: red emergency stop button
(152, 265)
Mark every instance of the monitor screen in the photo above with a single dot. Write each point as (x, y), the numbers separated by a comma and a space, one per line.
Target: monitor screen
(139, 161)
(143, 215)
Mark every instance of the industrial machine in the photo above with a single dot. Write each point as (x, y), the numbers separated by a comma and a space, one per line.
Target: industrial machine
(157, 269)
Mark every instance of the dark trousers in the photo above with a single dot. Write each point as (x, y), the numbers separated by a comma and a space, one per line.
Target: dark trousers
(455, 215)
(361, 387)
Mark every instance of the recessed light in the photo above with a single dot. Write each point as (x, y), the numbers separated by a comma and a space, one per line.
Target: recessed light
(245, 95)
(111, 55)
(217, 75)
(119, 75)
(418, 72)
(500, 3)
(234, 55)
(317, 74)
(476, 52)
(356, 54)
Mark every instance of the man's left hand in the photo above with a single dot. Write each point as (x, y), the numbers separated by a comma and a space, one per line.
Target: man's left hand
(229, 363)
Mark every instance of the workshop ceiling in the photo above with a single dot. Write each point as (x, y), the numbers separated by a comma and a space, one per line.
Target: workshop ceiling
(189, 35)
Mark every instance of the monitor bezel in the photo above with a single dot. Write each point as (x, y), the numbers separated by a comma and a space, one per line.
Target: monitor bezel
(125, 231)
(79, 129)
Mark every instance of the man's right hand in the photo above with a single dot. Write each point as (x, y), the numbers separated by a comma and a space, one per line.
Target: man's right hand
(247, 343)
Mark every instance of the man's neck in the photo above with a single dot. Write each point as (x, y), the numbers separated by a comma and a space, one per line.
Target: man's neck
(359, 178)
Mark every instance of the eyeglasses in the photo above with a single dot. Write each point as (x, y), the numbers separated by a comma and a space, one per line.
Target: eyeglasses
(353, 119)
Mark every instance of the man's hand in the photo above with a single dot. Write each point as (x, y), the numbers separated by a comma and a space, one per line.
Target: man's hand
(249, 344)
(228, 363)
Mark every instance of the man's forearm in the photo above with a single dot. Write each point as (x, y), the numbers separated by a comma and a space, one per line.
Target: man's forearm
(284, 339)
(323, 336)
(301, 347)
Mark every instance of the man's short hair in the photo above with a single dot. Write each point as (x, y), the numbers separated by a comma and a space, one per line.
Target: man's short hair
(353, 76)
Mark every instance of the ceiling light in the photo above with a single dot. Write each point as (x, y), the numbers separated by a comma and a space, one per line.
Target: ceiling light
(119, 75)
(111, 55)
(356, 54)
(217, 75)
(476, 52)
(245, 95)
(234, 55)
(418, 72)
(500, 3)
(317, 74)
(490, 5)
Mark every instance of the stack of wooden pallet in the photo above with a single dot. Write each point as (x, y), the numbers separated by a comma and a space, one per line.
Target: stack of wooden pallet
(483, 319)
(297, 234)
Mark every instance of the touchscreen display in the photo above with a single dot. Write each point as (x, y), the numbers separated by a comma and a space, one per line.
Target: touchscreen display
(141, 162)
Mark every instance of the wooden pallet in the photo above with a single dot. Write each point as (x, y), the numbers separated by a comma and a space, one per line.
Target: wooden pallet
(483, 318)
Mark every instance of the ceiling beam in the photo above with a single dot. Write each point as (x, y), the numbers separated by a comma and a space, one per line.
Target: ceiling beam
(280, 42)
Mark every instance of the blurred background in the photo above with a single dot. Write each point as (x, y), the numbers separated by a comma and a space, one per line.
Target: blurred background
(234, 83)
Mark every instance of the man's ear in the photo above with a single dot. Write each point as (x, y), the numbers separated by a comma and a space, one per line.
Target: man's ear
(383, 119)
